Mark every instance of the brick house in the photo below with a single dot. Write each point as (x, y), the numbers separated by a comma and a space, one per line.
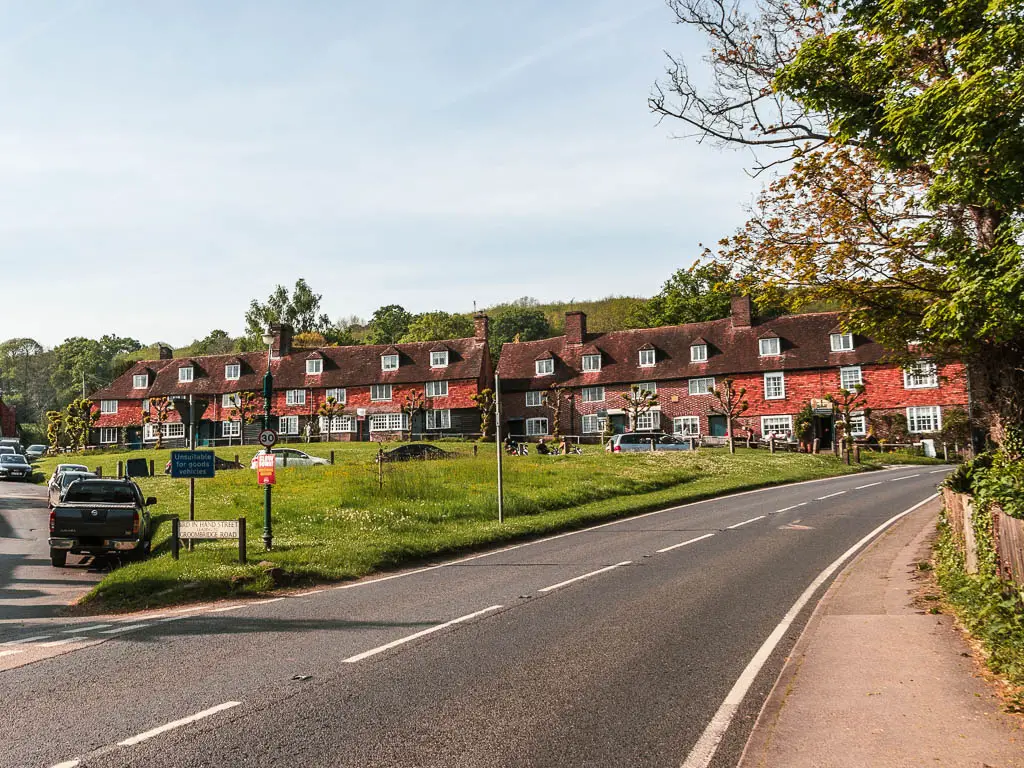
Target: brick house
(371, 382)
(784, 363)
(8, 424)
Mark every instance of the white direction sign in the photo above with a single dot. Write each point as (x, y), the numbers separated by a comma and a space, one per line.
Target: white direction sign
(208, 529)
(268, 438)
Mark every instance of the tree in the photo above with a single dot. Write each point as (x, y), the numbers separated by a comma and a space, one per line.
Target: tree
(554, 398)
(79, 418)
(300, 310)
(484, 400)
(956, 427)
(434, 326)
(412, 405)
(890, 427)
(159, 408)
(216, 342)
(247, 406)
(24, 378)
(309, 340)
(517, 323)
(906, 200)
(55, 433)
(732, 405)
(636, 402)
(328, 410)
(803, 425)
(846, 403)
(389, 324)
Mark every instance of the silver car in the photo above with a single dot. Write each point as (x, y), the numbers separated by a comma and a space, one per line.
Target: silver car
(291, 457)
(629, 442)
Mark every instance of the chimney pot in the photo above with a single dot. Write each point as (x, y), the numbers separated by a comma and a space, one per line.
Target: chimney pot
(166, 353)
(282, 344)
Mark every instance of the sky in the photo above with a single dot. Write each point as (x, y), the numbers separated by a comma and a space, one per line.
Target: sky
(164, 162)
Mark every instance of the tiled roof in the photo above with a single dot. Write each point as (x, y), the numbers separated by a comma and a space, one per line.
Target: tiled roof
(731, 350)
(343, 367)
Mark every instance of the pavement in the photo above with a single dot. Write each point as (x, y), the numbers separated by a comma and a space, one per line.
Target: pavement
(876, 679)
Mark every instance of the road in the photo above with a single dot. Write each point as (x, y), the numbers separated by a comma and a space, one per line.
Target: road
(619, 645)
(29, 587)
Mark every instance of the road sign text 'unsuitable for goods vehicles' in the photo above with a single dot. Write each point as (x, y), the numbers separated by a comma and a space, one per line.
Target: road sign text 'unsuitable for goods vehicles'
(192, 464)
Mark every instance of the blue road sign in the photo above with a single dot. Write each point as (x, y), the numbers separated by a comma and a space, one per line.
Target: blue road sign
(192, 464)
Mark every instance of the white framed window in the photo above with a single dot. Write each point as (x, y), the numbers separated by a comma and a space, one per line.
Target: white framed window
(338, 393)
(439, 419)
(924, 418)
(774, 386)
(170, 430)
(436, 389)
(591, 363)
(921, 375)
(389, 422)
(185, 374)
(145, 405)
(439, 359)
(288, 425)
(646, 358)
(389, 362)
(295, 397)
(231, 429)
(536, 427)
(858, 425)
(769, 347)
(702, 386)
(140, 381)
(380, 392)
(544, 367)
(850, 377)
(229, 400)
(593, 394)
(338, 424)
(593, 423)
(534, 399)
(108, 406)
(648, 386)
(841, 342)
(779, 425)
(647, 422)
(699, 353)
(686, 425)
(108, 435)
(149, 432)
(232, 372)
(314, 366)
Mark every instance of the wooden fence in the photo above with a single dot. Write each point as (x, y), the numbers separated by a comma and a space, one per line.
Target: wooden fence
(1007, 536)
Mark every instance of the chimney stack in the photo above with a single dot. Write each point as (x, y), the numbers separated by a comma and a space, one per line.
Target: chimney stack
(481, 327)
(166, 353)
(742, 312)
(575, 327)
(282, 345)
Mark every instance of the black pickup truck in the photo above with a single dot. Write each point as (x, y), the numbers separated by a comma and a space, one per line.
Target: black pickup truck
(100, 517)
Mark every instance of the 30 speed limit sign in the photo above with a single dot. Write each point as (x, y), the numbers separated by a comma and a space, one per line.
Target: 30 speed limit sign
(268, 438)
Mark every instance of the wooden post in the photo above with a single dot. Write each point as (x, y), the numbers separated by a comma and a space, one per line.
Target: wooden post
(236, 459)
(120, 469)
(241, 541)
(175, 541)
(771, 443)
(285, 458)
(380, 469)
(856, 453)
(151, 468)
(816, 445)
(99, 471)
(945, 452)
(332, 458)
(474, 450)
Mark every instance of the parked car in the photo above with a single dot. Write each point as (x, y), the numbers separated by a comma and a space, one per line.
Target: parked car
(13, 443)
(294, 459)
(648, 441)
(56, 489)
(34, 452)
(61, 468)
(412, 451)
(15, 467)
(99, 517)
(7, 450)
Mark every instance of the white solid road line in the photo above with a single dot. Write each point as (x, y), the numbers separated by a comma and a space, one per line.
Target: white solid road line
(178, 723)
(905, 477)
(428, 631)
(704, 750)
(786, 509)
(584, 576)
(730, 527)
(935, 471)
(65, 641)
(85, 629)
(869, 485)
(837, 493)
(126, 628)
(67, 764)
(226, 608)
(26, 640)
(684, 543)
(10, 653)
(271, 600)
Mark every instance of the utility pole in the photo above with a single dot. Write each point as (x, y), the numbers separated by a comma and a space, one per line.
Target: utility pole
(498, 444)
(268, 388)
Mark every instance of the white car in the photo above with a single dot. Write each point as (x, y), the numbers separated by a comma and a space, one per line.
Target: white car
(62, 468)
(292, 458)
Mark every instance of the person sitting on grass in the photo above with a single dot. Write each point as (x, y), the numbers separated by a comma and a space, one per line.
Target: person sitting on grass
(542, 447)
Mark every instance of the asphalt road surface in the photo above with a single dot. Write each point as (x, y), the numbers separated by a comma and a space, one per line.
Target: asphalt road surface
(650, 641)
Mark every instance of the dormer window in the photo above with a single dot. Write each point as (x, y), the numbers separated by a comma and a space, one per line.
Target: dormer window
(439, 359)
(140, 381)
(232, 371)
(545, 366)
(591, 363)
(699, 353)
(647, 358)
(185, 374)
(770, 346)
(314, 366)
(841, 342)
(389, 362)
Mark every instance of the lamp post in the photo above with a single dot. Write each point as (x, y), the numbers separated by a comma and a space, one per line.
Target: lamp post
(268, 387)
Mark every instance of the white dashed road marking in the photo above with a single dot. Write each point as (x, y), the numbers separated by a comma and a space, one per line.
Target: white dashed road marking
(85, 629)
(684, 543)
(178, 723)
(905, 477)
(10, 653)
(759, 517)
(869, 485)
(786, 509)
(584, 576)
(65, 641)
(422, 633)
(837, 493)
(27, 640)
(127, 628)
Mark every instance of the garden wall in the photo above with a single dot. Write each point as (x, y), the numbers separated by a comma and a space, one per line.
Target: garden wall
(1007, 536)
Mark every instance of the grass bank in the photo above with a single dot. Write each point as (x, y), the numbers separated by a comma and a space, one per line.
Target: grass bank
(334, 523)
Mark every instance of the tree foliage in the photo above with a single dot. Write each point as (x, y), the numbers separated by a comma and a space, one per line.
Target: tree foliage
(636, 402)
(300, 309)
(245, 409)
(389, 324)
(732, 404)
(518, 323)
(484, 400)
(328, 410)
(435, 326)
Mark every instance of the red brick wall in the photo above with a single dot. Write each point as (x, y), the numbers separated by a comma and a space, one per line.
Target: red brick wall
(8, 425)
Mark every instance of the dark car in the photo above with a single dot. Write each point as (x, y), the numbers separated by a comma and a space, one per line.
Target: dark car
(15, 467)
(99, 517)
(36, 452)
(420, 451)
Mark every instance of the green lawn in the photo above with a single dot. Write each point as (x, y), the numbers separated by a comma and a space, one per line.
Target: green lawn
(333, 523)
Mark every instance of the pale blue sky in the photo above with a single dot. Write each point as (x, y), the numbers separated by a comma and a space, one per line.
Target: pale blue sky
(162, 162)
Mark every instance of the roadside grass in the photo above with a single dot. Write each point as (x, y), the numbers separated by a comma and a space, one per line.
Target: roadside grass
(334, 523)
